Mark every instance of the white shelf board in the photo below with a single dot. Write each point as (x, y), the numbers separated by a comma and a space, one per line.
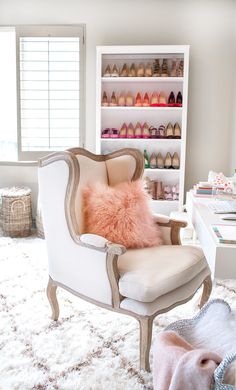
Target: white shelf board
(141, 140)
(164, 206)
(132, 108)
(142, 79)
(166, 202)
(161, 170)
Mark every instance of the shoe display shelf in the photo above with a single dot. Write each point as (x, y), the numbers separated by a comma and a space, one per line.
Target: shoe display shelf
(115, 116)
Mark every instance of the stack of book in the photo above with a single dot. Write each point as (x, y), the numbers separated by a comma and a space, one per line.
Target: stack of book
(203, 188)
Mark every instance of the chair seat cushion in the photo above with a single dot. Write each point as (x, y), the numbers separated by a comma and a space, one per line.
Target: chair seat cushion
(149, 273)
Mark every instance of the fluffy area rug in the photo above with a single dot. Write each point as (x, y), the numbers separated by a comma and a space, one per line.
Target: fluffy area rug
(87, 349)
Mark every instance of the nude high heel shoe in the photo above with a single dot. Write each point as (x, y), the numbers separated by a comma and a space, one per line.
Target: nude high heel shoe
(104, 100)
(107, 72)
(148, 70)
(123, 131)
(160, 161)
(121, 100)
(138, 130)
(162, 99)
(154, 100)
(145, 131)
(153, 161)
(114, 71)
(113, 101)
(140, 71)
(129, 101)
(175, 161)
(124, 71)
(132, 71)
(169, 132)
(168, 161)
(177, 130)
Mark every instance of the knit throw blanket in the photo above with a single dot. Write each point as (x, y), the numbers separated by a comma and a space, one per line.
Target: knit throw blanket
(188, 352)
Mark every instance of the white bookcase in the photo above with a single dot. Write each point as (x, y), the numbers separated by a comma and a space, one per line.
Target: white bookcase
(114, 117)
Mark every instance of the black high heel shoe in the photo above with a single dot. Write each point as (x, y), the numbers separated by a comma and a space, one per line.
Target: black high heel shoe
(171, 99)
(179, 100)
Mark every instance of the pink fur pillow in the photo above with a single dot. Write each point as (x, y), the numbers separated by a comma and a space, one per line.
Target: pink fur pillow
(120, 214)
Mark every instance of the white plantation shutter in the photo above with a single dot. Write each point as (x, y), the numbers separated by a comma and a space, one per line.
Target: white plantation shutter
(50, 90)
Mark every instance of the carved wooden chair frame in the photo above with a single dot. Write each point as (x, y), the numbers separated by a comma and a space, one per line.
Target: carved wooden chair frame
(113, 251)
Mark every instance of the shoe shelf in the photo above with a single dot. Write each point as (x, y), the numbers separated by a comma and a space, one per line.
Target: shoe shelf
(113, 117)
(142, 140)
(154, 170)
(132, 108)
(142, 79)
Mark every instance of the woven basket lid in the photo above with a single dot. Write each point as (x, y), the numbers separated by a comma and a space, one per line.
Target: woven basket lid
(15, 192)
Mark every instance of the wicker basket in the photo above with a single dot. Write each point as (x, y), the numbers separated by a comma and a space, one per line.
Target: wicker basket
(16, 211)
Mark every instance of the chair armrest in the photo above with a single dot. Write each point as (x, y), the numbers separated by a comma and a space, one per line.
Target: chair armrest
(173, 224)
(160, 218)
(94, 241)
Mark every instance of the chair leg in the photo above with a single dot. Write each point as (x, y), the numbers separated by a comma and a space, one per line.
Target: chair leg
(207, 287)
(145, 324)
(52, 297)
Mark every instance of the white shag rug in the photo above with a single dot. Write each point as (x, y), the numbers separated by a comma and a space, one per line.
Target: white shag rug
(87, 349)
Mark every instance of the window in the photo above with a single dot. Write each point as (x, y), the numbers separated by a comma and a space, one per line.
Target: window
(50, 66)
(8, 117)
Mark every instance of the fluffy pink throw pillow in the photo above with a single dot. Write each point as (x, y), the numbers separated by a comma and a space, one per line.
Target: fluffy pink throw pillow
(121, 214)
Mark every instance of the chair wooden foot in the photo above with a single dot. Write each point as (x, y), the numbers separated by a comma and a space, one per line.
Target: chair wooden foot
(145, 324)
(52, 297)
(207, 287)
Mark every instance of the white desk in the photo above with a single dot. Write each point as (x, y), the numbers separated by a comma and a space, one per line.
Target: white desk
(220, 257)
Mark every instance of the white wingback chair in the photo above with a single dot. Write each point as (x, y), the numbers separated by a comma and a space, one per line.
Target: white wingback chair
(138, 282)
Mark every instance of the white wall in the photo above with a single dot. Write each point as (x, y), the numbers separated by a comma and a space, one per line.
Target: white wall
(233, 123)
(204, 24)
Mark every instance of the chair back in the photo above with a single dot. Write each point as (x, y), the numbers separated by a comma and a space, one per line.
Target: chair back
(110, 169)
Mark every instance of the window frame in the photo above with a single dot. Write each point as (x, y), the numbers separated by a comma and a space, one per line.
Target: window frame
(74, 30)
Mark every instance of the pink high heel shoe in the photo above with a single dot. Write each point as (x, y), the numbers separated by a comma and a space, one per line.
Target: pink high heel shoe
(106, 133)
(130, 131)
(146, 102)
(114, 132)
(138, 100)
